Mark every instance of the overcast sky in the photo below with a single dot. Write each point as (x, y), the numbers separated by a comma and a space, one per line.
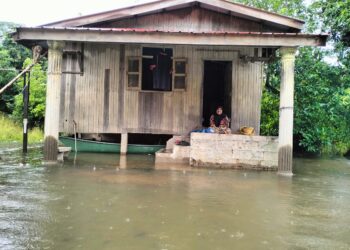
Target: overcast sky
(37, 12)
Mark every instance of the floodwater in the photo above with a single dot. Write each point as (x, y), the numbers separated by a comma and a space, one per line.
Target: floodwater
(101, 202)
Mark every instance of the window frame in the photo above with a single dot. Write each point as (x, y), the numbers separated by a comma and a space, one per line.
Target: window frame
(174, 74)
(139, 73)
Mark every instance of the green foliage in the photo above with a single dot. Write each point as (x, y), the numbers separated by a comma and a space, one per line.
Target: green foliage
(37, 96)
(322, 103)
(295, 8)
(322, 106)
(12, 132)
(269, 114)
(7, 72)
(5, 27)
(270, 100)
(17, 52)
(322, 109)
(12, 56)
(334, 17)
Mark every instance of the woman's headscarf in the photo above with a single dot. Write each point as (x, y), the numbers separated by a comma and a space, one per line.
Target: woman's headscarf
(218, 118)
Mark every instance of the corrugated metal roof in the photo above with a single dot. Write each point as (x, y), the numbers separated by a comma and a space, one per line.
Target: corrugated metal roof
(157, 6)
(139, 30)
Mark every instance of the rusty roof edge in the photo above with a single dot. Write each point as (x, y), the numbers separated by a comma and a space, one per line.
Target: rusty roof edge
(140, 30)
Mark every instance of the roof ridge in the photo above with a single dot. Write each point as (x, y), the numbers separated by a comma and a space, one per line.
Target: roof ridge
(158, 5)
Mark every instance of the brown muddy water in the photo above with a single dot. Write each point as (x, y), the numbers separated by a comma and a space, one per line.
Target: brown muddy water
(94, 202)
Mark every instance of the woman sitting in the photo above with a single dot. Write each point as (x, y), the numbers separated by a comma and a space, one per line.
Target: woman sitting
(219, 122)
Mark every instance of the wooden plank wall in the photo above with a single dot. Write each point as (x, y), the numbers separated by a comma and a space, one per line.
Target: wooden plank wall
(194, 19)
(83, 98)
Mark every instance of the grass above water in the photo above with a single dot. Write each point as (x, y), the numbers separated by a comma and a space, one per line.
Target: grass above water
(11, 131)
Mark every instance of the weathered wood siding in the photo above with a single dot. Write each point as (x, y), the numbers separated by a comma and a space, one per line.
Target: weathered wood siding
(193, 19)
(100, 102)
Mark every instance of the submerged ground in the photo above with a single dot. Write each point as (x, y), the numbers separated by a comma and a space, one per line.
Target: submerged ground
(99, 202)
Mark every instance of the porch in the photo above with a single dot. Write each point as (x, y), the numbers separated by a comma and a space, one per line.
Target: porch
(224, 151)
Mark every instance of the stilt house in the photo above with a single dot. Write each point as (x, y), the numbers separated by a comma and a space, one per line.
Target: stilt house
(162, 67)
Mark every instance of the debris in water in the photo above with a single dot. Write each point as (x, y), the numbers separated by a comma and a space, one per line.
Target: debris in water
(198, 234)
(184, 171)
(68, 208)
(110, 228)
(239, 235)
(237, 212)
(94, 168)
(127, 220)
(223, 230)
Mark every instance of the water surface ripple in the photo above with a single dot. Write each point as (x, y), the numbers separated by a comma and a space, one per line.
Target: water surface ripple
(95, 201)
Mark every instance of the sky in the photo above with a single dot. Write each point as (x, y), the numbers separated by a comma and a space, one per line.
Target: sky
(38, 12)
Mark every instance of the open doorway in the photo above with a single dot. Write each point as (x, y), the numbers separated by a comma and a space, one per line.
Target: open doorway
(217, 86)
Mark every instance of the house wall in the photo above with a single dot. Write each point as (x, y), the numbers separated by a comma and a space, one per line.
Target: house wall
(194, 19)
(100, 102)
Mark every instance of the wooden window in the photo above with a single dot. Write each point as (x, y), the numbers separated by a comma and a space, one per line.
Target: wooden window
(179, 73)
(134, 72)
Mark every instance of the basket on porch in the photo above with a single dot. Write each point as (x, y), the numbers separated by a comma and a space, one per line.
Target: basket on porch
(247, 130)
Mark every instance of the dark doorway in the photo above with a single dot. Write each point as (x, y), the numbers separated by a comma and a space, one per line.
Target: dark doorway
(217, 88)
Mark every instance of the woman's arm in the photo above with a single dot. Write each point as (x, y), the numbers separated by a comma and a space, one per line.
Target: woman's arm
(212, 122)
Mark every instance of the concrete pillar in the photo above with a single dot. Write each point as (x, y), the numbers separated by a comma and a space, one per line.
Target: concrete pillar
(124, 144)
(54, 74)
(285, 140)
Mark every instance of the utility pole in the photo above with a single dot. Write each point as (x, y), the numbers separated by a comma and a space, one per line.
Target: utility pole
(26, 87)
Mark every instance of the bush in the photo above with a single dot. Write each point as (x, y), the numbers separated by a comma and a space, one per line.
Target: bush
(12, 131)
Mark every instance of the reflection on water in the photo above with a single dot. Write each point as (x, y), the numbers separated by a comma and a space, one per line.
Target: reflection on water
(95, 201)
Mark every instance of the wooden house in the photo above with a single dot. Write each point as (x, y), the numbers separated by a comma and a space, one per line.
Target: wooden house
(102, 77)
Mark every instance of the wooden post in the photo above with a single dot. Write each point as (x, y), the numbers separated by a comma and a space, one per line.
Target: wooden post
(124, 144)
(122, 162)
(54, 74)
(285, 140)
(26, 87)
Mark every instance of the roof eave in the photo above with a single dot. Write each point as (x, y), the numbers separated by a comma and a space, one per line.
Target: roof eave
(180, 38)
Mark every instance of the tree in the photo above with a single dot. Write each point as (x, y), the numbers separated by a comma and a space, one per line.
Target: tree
(12, 56)
(294, 8)
(37, 96)
(322, 90)
(7, 72)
